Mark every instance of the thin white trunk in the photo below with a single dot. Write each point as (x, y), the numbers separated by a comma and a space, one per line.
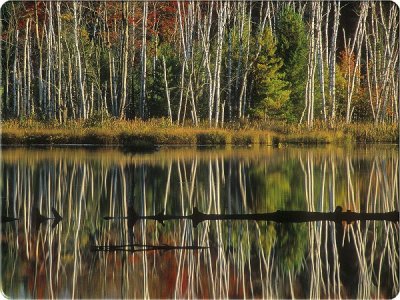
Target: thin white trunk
(309, 96)
(124, 69)
(15, 78)
(143, 62)
(332, 59)
(357, 43)
(320, 59)
(60, 106)
(222, 14)
(26, 75)
(205, 34)
(39, 43)
(82, 111)
(167, 91)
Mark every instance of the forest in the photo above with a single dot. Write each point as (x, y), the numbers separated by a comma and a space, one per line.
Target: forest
(195, 62)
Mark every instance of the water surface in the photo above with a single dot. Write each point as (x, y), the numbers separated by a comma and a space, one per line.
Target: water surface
(246, 259)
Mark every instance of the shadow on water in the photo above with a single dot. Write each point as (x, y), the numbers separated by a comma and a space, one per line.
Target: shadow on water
(233, 251)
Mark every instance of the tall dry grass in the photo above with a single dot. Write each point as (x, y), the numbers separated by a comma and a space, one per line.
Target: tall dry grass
(160, 132)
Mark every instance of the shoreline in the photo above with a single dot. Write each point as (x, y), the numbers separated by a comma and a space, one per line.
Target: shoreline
(178, 137)
(153, 134)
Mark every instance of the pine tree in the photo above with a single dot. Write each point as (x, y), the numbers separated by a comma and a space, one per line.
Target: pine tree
(270, 89)
(292, 47)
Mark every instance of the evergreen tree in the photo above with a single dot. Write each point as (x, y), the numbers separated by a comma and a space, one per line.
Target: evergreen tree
(292, 47)
(270, 89)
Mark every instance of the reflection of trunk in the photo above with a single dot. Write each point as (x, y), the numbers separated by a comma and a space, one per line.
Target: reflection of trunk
(350, 190)
(242, 185)
(167, 187)
(105, 181)
(77, 231)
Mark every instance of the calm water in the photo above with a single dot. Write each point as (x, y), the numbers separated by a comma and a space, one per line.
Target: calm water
(246, 259)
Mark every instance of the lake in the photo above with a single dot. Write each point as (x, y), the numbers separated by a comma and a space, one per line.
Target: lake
(85, 256)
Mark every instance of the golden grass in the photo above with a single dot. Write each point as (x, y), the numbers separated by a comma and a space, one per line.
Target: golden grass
(141, 134)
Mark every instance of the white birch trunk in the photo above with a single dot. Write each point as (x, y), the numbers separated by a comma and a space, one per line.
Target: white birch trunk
(332, 60)
(60, 106)
(15, 78)
(39, 43)
(357, 43)
(124, 69)
(222, 14)
(167, 91)
(143, 62)
(321, 64)
(26, 75)
(82, 111)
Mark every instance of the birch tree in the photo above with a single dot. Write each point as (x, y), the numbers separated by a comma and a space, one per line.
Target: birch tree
(350, 48)
(382, 77)
(124, 68)
(320, 55)
(143, 59)
(309, 94)
(332, 59)
(82, 108)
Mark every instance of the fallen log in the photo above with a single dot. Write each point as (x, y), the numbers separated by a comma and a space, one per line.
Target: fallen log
(279, 216)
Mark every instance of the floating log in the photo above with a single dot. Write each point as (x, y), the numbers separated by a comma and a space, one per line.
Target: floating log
(279, 216)
(144, 247)
(39, 218)
(6, 219)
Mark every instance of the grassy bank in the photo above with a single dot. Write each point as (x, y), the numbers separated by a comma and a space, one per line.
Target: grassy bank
(139, 134)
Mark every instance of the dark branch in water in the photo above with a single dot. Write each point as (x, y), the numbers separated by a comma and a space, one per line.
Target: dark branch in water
(6, 219)
(143, 247)
(279, 216)
(38, 218)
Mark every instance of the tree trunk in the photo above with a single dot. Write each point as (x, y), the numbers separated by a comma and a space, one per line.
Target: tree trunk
(60, 106)
(332, 60)
(143, 62)
(82, 110)
(15, 78)
(357, 43)
(321, 64)
(124, 69)
(39, 45)
(167, 91)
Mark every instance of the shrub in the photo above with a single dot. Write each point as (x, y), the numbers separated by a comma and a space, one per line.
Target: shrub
(211, 138)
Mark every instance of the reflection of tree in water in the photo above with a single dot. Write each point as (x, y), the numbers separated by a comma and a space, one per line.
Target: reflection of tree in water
(251, 259)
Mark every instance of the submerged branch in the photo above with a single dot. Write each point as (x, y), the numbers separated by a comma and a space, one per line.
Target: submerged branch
(144, 247)
(279, 217)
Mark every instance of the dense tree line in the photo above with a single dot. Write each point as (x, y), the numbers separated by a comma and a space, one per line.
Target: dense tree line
(192, 62)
